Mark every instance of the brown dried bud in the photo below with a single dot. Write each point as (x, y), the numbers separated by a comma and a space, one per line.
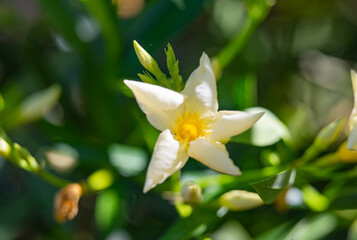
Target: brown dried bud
(66, 202)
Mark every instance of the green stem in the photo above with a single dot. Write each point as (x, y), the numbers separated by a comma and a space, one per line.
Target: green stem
(52, 179)
(228, 53)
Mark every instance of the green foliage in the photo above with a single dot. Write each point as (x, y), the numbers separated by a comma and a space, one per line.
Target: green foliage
(324, 139)
(146, 77)
(130, 161)
(315, 227)
(106, 209)
(173, 67)
(62, 64)
(270, 188)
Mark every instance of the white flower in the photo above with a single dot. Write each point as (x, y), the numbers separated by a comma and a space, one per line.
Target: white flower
(352, 123)
(190, 124)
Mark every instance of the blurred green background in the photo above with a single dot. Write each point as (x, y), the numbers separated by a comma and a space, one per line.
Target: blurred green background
(292, 57)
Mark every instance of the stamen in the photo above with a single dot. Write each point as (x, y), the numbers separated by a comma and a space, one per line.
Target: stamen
(189, 127)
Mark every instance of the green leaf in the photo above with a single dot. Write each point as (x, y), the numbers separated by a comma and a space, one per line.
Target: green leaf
(270, 188)
(315, 227)
(100, 180)
(231, 230)
(106, 210)
(2, 103)
(180, 4)
(37, 105)
(267, 131)
(313, 199)
(279, 232)
(352, 232)
(193, 226)
(129, 161)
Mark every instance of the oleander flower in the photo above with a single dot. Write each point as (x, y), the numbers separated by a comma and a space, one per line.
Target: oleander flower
(191, 124)
(352, 123)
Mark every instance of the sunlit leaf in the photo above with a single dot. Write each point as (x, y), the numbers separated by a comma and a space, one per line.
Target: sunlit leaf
(179, 4)
(352, 232)
(316, 227)
(129, 161)
(231, 230)
(279, 232)
(106, 210)
(38, 104)
(270, 188)
(194, 225)
(100, 179)
(314, 200)
(229, 15)
(2, 103)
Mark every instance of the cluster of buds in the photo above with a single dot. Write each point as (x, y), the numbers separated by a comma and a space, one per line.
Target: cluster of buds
(17, 155)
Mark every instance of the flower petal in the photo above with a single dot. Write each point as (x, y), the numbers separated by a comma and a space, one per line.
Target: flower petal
(168, 157)
(159, 104)
(353, 118)
(213, 155)
(231, 123)
(352, 140)
(201, 87)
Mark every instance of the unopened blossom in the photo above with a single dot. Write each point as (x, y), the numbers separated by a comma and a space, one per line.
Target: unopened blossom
(66, 202)
(191, 124)
(352, 123)
(240, 200)
(5, 148)
(191, 193)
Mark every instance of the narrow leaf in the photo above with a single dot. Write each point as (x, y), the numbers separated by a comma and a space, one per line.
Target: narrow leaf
(270, 188)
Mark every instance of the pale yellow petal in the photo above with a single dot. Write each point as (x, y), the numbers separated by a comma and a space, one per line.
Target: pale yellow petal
(168, 157)
(213, 155)
(231, 123)
(201, 89)
(353, 118)
(352, 140)
(160, 105)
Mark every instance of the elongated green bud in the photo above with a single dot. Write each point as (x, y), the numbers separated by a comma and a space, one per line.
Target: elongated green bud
(149, 63)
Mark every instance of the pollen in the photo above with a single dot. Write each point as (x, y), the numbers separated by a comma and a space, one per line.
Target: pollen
(189, 127)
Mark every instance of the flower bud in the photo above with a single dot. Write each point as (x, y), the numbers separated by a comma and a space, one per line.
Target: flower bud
(24, 159)
(329, 133)
(239, 200)
(5, 148)
(327, 136)
(66, 202)
(191, 193)
(145, 59)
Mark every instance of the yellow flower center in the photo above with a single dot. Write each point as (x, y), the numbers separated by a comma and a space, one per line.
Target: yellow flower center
(189, 127)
